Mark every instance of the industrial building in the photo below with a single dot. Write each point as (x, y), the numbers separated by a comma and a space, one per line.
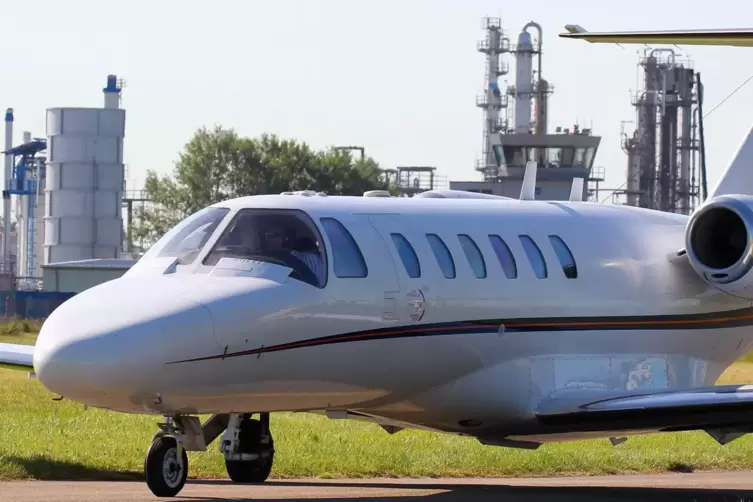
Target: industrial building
(516, 135)
(77, 276)
(665, 158)
(68, 189)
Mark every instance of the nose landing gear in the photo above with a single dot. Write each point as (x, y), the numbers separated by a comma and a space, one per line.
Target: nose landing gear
(247, 446)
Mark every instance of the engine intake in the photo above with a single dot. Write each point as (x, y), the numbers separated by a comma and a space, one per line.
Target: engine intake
(719, 241)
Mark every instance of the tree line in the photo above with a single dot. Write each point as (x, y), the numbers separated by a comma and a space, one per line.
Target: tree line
(218, 164)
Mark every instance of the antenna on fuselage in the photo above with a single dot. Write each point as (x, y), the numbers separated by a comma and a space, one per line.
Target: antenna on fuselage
(528, 190)
(576, 191)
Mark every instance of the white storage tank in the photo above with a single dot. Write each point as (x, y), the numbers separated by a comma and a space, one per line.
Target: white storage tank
(84, 185)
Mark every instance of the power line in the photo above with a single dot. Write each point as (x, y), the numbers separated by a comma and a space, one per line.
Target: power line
(681, 137)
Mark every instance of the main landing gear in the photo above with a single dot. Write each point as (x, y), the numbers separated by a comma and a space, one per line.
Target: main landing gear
(247, 446)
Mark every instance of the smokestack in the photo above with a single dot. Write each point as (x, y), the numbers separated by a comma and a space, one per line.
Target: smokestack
(112, 92)
(6, 186)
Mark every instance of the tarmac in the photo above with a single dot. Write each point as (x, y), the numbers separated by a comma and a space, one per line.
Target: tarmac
(714, 486)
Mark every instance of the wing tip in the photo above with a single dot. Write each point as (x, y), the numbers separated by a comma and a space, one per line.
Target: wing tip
(573, 29)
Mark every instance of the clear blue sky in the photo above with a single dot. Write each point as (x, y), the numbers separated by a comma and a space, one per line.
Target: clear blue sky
(399, 77)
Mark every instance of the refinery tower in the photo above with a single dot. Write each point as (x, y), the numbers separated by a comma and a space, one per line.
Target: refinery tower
(666, 167)
(515, 125)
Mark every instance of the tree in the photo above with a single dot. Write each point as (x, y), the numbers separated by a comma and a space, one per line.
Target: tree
(217, 164)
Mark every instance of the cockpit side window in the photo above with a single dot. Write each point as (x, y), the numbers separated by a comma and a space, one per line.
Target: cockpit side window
(347, 258)
(284, 237)
(186, 239)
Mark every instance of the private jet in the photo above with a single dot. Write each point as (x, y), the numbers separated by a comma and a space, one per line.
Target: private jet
(514, 321)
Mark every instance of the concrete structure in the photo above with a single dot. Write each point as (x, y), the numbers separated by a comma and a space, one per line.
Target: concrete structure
(664, 169)
(561, 156)
(84, 187)
(77, 276)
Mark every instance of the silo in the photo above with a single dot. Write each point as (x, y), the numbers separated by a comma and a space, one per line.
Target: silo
(84, 184)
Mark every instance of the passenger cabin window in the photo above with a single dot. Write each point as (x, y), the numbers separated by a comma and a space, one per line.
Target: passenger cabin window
(443, 255)
(285, 237)
(566, 258)
(407, 255)
(186, 239)
(505, 256)
(534, 256)
(347, 258)
(474, 256)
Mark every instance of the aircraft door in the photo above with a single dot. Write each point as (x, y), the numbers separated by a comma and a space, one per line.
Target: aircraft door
(381, 287)
(410, 300)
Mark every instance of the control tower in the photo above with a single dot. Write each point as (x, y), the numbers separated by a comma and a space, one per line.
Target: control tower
(517, 134)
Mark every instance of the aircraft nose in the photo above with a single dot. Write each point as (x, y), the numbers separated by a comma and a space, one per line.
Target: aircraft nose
(115, 338)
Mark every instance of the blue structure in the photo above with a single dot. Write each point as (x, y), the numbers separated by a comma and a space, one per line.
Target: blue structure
(31, 304)
(112, 91)
(28, 172)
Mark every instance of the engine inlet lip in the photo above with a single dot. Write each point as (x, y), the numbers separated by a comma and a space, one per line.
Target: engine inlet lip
(745, 263)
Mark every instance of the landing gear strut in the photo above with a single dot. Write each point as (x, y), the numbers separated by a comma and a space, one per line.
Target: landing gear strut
(247, 446)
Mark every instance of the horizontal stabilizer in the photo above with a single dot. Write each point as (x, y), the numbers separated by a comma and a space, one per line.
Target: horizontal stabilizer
(741, 37)
(20, 356)
(690, 409)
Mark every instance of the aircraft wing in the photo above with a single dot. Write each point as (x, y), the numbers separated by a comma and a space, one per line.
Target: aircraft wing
(707, 408)
(740, 37)
(16, 356)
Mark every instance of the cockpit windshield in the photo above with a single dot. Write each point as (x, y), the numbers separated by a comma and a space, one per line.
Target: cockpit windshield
(186, 239)
(284, 237)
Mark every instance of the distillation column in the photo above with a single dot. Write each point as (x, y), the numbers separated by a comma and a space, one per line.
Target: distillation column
(523, 83)
(686, 178)
(7, 267)
(492, 101)
(666, 112)
(645, 169)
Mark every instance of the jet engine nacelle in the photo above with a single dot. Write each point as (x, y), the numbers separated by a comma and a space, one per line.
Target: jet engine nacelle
(719, 243)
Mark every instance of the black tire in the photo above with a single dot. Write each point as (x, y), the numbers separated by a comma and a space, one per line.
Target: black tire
(162, 455)
(253, 471)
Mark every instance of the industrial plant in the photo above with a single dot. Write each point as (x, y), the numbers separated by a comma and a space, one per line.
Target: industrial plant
(515, 135)
(665, 154)
(66, 190)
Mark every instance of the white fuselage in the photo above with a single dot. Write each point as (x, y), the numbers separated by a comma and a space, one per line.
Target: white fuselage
(465, 354)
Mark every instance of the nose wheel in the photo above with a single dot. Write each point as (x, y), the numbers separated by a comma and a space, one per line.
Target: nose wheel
(166, 467)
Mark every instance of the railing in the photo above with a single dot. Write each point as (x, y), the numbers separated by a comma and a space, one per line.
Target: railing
(483, 101)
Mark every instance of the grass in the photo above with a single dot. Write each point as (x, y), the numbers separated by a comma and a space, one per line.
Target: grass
(23, 331)
(45, 439)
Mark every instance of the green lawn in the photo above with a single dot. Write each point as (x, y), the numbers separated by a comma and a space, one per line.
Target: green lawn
(19, 331)
(45, 439)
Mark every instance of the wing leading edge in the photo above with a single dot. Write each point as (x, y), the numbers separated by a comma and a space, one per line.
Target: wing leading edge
(728, 407)
(17, 356)
(739, 37)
